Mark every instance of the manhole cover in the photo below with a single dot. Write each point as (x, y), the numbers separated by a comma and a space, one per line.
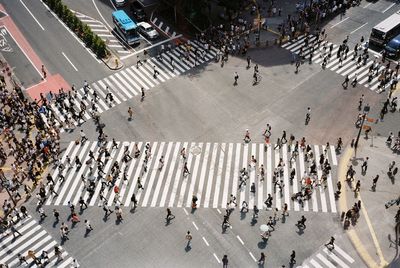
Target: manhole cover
(195, 150)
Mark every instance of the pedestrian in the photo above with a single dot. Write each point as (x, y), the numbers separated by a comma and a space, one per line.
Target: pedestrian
(143, 94)
(248, 62)
(56, 215)
(14, 231)
(301, 222)
(253, 188)
(22, 259)
(245, 207)
(236, 77)
(345, 83)
(83, 136)
(42, 214)
(308, 115)
(330, 245)
(354, 82)
(155, 72)
(130, 113)
(133, 200)
(364, 165)
(297, 66)
(292, 257)
(374, 182)
(358, 186)
(89, 227)
(170, 216)
(189, 239)
(44, 73)
(107, 211)
(139, 184)
(225, 261)
(82, 203)
(161, 163)
(261, 261)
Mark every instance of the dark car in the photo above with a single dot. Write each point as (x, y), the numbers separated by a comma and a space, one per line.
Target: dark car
(138, 11)
(393, 48)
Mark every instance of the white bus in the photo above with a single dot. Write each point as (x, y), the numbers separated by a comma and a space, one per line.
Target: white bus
(385, 30)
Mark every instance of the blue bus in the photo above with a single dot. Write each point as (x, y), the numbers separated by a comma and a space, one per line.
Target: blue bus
(126, 27)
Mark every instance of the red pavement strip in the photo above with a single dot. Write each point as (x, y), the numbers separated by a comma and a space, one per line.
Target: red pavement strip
(52, 82)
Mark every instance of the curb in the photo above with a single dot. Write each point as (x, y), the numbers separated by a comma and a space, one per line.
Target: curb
(113, 62)
(352, 234)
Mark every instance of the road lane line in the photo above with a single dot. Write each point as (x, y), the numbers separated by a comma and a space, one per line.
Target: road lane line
(27, 9)
(73, 34)
(359, 28)
(195, 226)
(215, 255)
(184, 209)
(389, 7)
(73, 66)
(252, 256)
(367, 5)
(240, 240)
(205, 241)
(336, 24)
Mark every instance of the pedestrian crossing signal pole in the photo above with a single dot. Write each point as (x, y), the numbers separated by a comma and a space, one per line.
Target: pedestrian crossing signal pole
(366, 110)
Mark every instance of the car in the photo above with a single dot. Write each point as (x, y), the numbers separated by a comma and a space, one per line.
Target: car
(137, 11)
(147, 30)
(392, 48)
(119, 3)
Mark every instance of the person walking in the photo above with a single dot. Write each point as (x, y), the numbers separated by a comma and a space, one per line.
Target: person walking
(89, 227)
(331, 244)
(364, 165)
(189, 239)
(83, 136)
(133, 200)
(236, 77)
(293, 257)
(130, 113)
(170, 216)
(56, 215)
(225, 261)
(14, 231)
(345, 83)
(374, 182)
(261, 260)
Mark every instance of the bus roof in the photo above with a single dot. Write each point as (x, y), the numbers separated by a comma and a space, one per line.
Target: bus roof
(389, 23)
(126, 22)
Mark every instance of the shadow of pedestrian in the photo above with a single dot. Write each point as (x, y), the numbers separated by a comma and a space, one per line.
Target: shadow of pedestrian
(132, 210)
(283, 220)
(105, 218)
(188, 248)
(55, 223)
(193, 210)
(262, 244)
(253, 221)
(242, 215)
(300, 230)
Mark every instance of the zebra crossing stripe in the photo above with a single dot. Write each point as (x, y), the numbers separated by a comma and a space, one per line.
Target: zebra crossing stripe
(320, 187)
(107, 166)
(343, 254)
(335, 258)
(236, 171)
(71, 175)
(146, 174)
(242, 190)
(175, 155)
(325, 261)
(194, 176)
(132, 187)
(77, 177)
(141, 72)
(203, 172)
(110, 87)
(118, 84)
(147, 70)
(252, 175)
(126, 84)
(217, 184)
(102, 88)
(137, 174)
(260, 183)
(227, 174)
(211, 172)
(302, 173)
(130, 80)
(178, 175)
(185, 181)
(329, 181)
(285, 174)
(316, 264)
(154, 171)
(26, 226)
(269, 170)
(160, 180)
(277, 192)
(160, 69)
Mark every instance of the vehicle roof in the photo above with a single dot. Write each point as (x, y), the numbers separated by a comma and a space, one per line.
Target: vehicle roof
(124, 19)
(389, 23)
(144, 24)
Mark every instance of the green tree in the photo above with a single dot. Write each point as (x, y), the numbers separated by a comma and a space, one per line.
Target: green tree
(88, 35)
(59, 8)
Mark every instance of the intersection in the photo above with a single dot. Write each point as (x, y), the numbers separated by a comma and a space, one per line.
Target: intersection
(191, 104)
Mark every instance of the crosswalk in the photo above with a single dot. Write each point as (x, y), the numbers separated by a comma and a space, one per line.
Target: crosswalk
(163, 27)
(104, 33)
(33, 238)
(348, 66)
(214, 175)
(127, 83)
(330, 258)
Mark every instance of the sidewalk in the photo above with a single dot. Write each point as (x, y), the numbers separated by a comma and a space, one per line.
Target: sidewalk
(373, 236)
